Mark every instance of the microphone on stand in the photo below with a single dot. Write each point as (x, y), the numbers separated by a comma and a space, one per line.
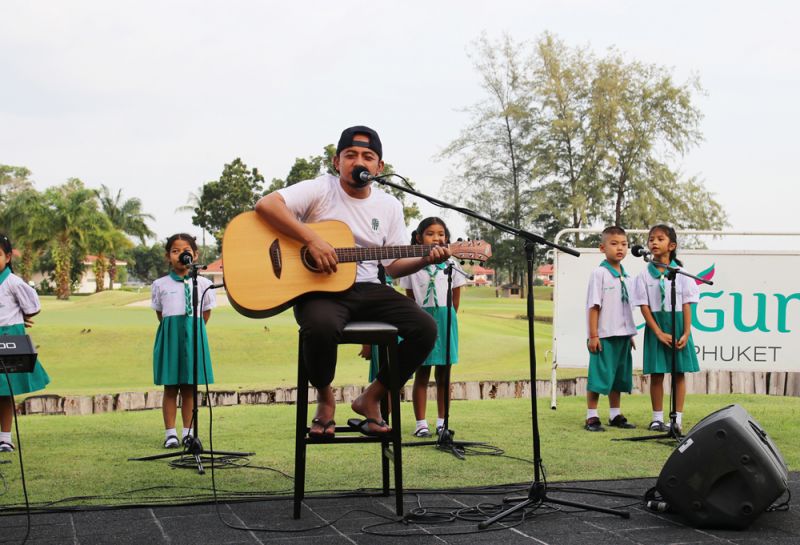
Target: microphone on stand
(186, 258)
(640, 251)
(361, 176)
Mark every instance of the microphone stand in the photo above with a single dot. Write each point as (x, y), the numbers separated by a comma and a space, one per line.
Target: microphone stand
(444, 441)
(537, 493)
(673, 432)
(191, 443)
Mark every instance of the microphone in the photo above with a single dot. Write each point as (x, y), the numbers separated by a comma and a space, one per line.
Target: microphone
(640, 251)
(186, 258)
(361, 176)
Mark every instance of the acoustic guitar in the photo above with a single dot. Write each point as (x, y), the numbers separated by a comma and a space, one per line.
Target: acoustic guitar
(265, 271)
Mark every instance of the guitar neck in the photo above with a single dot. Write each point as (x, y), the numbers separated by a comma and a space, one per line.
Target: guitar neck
(351, 254)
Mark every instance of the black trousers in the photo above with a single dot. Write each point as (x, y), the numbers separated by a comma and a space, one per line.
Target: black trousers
(323, 316)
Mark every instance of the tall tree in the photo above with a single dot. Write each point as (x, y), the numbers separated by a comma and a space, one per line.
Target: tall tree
(13, 179)
(493, 153)
(564, 138)
(72, 213)
(126, 215)
(236, 191)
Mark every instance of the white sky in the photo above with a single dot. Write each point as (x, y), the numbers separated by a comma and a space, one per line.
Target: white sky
(154, 97)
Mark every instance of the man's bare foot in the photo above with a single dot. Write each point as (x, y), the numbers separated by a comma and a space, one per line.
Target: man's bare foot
(369, 407)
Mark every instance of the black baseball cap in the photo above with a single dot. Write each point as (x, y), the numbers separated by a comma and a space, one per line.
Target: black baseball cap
(346, 140)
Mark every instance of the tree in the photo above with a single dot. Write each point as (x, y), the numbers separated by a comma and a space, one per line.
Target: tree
(22, 219)
(493, 153)
(236, 191)
(106, 242)
(564, 138)
(147, 263)
(126, 216)
(13, 179)
(71, 215)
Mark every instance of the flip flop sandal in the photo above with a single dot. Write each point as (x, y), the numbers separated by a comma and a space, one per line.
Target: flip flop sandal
(323, 435)
(363, 427)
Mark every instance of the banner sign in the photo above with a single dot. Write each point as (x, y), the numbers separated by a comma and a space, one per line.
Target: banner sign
(749, 320)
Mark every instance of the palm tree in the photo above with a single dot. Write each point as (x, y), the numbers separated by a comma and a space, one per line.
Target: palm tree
(72, 214)
(23, 220)
(105, 240)
(192, 204)
(126, 216)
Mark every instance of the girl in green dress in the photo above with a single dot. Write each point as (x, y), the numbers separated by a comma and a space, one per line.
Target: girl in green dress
(428, 287)
(18, 304)
(173, 356)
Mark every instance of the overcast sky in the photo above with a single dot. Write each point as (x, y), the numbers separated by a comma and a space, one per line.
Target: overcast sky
(155, 97)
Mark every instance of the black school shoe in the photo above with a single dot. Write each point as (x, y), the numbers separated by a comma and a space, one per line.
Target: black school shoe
(621, 422)
(593, 424)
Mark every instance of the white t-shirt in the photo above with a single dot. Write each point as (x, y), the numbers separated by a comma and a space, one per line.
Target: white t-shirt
(418, 283)
(168, 297)
(616, 316)
(646, 291)
(375, 221)
(17, 299)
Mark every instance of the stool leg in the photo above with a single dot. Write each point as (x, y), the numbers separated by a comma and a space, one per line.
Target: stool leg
(383, 360)
(300, 433)
(394, 391)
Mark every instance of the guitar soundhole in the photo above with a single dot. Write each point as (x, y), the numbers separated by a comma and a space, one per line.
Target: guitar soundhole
(308, 261)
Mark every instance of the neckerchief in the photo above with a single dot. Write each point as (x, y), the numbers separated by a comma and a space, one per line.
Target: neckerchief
(617, 274)
(4, 274)
(187, 293)
(660, 273)
(432, 271)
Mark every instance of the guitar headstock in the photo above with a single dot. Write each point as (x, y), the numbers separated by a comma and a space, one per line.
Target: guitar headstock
(474, 250)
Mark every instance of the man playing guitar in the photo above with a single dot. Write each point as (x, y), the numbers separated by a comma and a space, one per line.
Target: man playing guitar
(376, 219)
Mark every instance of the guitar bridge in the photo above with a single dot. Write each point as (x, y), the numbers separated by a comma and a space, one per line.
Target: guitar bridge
(275, 257)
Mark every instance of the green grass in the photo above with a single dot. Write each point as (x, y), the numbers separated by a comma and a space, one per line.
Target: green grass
(87, 455)
(102, 344)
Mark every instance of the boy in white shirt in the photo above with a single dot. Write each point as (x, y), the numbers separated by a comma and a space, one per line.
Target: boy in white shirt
(611, 331)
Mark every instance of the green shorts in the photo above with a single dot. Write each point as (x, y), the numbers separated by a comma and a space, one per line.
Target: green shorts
(611, 369)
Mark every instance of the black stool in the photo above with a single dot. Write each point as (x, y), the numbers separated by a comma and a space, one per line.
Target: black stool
(372, 333)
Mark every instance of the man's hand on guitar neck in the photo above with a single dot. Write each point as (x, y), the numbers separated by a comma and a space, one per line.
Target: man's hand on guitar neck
(409, 265)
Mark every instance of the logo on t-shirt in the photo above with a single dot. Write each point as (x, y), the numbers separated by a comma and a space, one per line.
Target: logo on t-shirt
(375, 224)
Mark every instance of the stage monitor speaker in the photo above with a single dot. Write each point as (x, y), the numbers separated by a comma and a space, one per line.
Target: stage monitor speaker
(724, 473)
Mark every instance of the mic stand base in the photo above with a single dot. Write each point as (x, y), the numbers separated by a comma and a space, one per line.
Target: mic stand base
(537, 495)
(193, 447)
(445, 443)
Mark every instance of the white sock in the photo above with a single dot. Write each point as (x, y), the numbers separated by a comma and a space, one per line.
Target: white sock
(5, 437)
(614, 412)
(591, 413)
(187, 431)
(439, 423)
(679, 418)
(422, 424)
(170, 431)
(658, 416)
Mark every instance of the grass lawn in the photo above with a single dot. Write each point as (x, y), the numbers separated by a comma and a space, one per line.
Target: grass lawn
(103, 344)
(67, 457)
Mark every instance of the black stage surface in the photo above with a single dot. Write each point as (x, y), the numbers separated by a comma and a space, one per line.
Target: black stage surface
(361, 518)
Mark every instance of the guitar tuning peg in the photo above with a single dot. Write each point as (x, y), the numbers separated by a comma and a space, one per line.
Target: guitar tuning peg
(460, 239)
(462, 262)
(471, 262)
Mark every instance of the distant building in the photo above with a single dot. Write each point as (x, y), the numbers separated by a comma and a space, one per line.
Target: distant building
(545, 274)
(214, 272)
(482, 276)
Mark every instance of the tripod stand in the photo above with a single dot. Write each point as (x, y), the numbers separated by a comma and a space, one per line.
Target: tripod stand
(191, 443)
(445, 441)
(537, 493)
(674, 431)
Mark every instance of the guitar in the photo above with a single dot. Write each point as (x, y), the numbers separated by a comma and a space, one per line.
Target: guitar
(265, 271)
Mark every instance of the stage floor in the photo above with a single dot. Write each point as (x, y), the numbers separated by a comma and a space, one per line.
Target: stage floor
(359, 519)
